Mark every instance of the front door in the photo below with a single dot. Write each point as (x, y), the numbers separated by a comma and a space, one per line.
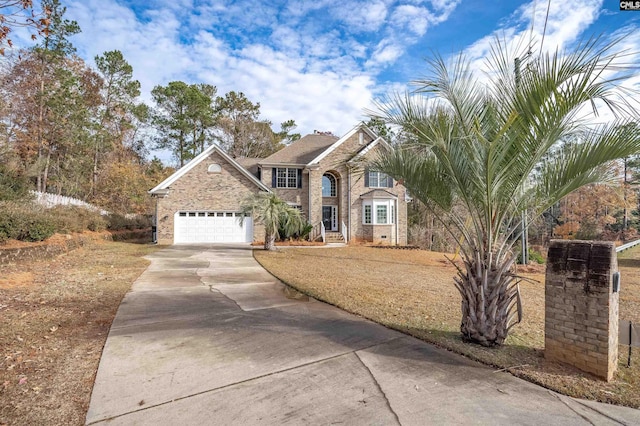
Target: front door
(330, 218)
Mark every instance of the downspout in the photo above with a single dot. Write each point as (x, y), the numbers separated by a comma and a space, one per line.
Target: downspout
(309, 192)
(348, 204)
(154, 231)
(396, 220)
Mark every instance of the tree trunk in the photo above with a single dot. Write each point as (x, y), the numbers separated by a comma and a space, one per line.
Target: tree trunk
(40, 185)
(489, 296)
(45, 173)
(270, 242)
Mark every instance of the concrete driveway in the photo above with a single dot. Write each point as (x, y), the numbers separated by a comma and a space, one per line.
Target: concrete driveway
(207, 336)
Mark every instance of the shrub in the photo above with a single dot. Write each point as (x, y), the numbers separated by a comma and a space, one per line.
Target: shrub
(13, 220)
(302, 235)
(117, 222)
(534, 256)
(25, 222)
(97, 224)
(39, 228)
(77, 219)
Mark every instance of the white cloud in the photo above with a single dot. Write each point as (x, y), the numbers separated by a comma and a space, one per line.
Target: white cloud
(416, 19)
(363, 16)
(315, 62)
(565, 27)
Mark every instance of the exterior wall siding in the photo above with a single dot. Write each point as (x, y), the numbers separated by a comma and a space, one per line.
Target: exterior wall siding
(199, 190)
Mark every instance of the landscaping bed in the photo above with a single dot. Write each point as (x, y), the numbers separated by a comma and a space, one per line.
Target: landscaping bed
(55, 318)
(413, 291)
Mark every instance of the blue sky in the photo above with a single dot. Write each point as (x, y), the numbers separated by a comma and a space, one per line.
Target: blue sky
(322, 62)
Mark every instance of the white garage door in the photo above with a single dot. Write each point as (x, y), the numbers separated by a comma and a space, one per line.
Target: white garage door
(212, 227)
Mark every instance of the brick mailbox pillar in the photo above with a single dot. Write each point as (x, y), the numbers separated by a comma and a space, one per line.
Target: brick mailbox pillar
(581, 306)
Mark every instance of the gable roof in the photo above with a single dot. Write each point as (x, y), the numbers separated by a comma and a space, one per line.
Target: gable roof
(301, 151)
(378, 141)
(164, 185)
(313, 148)
(329, 150)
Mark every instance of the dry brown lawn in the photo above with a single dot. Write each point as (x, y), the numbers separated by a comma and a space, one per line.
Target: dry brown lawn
(412, 291)
(54, 318)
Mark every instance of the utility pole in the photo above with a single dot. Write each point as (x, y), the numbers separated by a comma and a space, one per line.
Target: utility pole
(625, 223)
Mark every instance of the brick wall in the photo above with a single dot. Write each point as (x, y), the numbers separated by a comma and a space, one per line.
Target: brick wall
(292, 195)
(581, 309)
(200, 190)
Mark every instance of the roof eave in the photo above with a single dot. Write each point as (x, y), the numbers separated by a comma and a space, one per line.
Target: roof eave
(336, 144)
(298, 165)
(162, 187)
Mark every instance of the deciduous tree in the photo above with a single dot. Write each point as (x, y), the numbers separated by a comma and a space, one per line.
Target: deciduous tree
(20, 13)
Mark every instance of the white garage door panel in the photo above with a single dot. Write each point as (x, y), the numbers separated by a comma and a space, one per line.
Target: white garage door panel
(212, 227)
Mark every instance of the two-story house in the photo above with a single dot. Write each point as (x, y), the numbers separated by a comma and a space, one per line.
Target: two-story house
(325, 176)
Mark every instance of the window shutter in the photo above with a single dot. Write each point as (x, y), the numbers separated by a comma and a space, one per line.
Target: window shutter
(389, 182)
(274, 173)
(366, 177)
(299, 178)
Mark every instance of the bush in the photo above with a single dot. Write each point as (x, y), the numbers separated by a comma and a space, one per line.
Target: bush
(39, 228)
(537, 257)
(302, 235)
(77, 219)
(97, 224)
(13, 220)
(117, 222)
(534, 256)
(27, 221)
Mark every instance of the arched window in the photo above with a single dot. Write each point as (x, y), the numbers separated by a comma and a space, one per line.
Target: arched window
(214, 168)
(328, 185)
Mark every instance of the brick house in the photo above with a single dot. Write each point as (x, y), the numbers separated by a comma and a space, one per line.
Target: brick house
(323, 175)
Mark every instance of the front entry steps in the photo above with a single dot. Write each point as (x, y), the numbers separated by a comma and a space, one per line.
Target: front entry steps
(333, 237)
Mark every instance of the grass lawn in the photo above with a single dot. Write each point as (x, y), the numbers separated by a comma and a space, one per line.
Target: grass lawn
(412, 291)
(54, 318)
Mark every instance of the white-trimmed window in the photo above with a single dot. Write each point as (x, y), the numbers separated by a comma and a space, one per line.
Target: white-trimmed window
(379, 180)
(214, 168)
(367, 214)
(286, 178)
(378, 212)
(328, 185)
(382, 213)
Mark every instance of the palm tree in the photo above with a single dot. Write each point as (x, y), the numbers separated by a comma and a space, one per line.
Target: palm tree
(274, 213)
(491, 147)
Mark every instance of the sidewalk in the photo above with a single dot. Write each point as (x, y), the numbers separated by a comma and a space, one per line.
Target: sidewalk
(207, 336)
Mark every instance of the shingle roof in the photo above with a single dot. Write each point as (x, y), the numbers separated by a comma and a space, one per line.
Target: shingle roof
(249, 163)
(301, 151)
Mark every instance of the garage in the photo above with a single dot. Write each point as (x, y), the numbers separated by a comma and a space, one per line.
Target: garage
(212, 227)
